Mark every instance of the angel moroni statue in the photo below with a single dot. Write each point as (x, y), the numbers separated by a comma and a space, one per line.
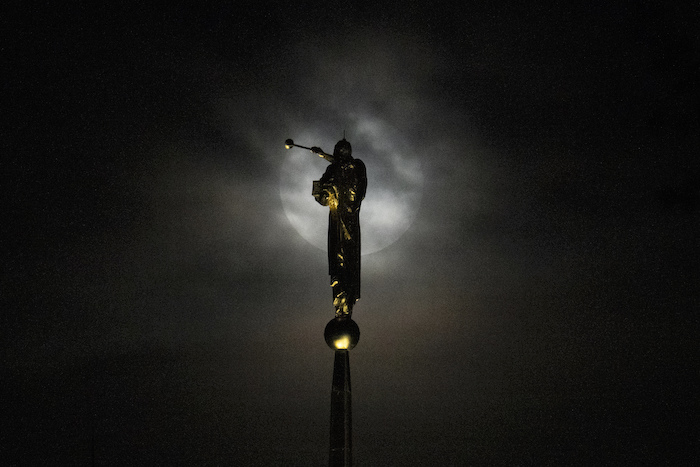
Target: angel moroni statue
(342, 188)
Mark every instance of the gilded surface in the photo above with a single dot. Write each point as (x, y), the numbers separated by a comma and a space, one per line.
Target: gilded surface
(342, 188)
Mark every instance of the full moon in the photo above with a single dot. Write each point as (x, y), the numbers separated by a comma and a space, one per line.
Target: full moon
(394, 185)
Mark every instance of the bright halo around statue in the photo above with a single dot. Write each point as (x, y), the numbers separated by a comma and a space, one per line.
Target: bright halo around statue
(394, 180)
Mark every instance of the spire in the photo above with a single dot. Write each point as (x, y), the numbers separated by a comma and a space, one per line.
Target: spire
(341, 334)
(341, 413)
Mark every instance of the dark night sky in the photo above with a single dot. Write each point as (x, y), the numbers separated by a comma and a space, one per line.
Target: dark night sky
(536, 305)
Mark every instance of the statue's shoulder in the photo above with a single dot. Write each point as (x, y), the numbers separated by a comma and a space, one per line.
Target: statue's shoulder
(360, 169)
(359, 165)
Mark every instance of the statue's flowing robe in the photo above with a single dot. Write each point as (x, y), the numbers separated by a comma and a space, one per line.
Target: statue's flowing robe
(346, 182)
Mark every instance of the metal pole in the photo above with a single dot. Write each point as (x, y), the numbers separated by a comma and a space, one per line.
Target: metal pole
(341, 413)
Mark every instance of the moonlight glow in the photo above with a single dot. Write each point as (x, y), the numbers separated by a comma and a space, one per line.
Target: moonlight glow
(394, 184)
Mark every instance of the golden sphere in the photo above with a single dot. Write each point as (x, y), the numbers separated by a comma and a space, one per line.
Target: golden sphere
(342, 334)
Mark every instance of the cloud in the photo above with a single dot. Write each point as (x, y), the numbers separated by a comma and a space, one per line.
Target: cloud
(381, 91)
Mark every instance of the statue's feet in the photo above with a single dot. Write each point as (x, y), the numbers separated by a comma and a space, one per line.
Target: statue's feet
(343, 308)
(343, 312)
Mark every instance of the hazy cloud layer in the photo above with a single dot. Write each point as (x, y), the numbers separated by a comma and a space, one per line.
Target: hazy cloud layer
(526, 278)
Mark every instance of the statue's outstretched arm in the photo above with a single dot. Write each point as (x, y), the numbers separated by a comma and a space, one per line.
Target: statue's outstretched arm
(323, 154)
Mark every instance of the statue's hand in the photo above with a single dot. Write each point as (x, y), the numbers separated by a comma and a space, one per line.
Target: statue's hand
(320, 193)
(317, 150)
(322, 198)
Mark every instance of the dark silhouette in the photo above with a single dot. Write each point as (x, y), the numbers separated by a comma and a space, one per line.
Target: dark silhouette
(342, 188)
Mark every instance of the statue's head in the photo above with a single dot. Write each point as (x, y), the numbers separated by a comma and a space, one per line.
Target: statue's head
(343, 150)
